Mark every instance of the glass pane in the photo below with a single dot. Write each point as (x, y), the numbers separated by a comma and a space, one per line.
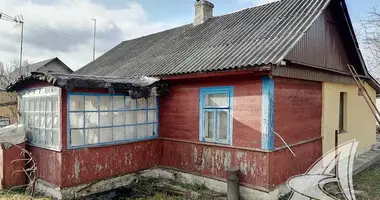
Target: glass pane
(223, 125)
(42, 120)
(42, 136)
(141, 131)
(77, 137)
(141, 116)
(106, 135)
(118, 133)
(36, 104)
(105, 102)
(105, 118)
(56, 138)
(118, 118)
(36, 134)
(151, 130)
(55, 103)
(55, 120)
(49, 137)
(48, 90)
(141, 103)
(31, 104)
(130, 103)
(76, 120)
(91, 103)
(216, 100)
(152, 102)
(92, 136)
(118, 102)
(29, 119)
(36, 120)
(130, 117)
(49, 120)
(49, 105)
(91, 120)
(209, 125)
(26, 104)
(42, 104)
(151, 116)
(130, 132)
(76, 102)
(31, 137)
(55, 90)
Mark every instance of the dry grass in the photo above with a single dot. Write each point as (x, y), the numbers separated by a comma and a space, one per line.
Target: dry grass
(19, 195)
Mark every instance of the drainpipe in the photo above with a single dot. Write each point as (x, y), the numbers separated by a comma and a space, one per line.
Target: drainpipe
(233, 183)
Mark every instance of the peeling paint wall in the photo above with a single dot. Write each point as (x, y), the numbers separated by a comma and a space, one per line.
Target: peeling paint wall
(297, 110)
(9, 180)
(179, 112)
(91, 164)
(283, 165)
(214, 161)
(179, 120)
(49, 164)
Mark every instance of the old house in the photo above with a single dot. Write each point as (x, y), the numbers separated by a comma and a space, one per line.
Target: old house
(8, 101)
(226, 88)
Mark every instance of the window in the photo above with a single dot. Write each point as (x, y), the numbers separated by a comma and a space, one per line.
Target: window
(343, 112)
(40, 112)
(216, 115)
(107, 119)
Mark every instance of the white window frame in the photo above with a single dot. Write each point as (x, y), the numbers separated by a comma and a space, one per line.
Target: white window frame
(99, 127)
(28, 93)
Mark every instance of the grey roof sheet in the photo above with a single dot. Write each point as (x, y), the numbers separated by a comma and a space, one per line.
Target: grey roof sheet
(254, 36)
(36, 66)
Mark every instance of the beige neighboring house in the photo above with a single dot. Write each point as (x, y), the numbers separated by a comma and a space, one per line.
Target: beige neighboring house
(8, 101)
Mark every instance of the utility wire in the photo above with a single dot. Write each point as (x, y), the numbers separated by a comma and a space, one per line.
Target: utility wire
(58, 32)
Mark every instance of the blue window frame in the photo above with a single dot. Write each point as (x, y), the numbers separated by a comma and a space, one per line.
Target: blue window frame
(215, 117)
(105, 119)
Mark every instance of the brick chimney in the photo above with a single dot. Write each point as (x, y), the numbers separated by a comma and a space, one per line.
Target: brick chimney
(203, 11)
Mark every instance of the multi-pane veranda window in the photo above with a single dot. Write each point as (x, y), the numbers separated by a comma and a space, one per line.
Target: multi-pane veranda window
(107, 119)
(40, 112)
(216, 114)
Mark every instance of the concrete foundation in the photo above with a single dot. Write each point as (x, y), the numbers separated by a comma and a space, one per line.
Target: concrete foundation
(182, 177)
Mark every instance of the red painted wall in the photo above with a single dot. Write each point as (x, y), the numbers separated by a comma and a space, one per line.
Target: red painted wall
(297, 110)
(213, 161)
(179, 112)
(49, 164)
(179, 147)
(283, 165)
(90, 164)
(9, 180)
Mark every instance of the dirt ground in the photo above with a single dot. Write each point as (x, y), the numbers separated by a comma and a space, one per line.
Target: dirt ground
(144, 189)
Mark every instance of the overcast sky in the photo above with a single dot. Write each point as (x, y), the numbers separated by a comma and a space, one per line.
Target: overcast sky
(63, 28)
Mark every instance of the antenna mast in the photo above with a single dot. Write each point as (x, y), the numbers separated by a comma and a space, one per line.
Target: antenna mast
(19, 21)
(93, 52)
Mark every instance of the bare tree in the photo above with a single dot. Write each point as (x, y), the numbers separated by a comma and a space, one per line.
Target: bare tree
(9, 72)
(370, 39)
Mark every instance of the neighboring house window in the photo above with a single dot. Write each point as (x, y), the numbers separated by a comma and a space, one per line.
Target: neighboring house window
(215, 124)
(40, 112)
(343, 112)
(101, 119)
(4, 121)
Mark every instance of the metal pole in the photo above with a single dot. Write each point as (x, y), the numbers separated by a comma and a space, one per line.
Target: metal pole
(22, 40)
(93, 53)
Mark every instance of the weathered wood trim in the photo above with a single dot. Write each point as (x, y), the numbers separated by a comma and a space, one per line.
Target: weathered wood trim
(242, 148)
(311, 74)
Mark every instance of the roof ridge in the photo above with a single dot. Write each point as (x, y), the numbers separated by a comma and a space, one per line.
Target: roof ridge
(251, 7)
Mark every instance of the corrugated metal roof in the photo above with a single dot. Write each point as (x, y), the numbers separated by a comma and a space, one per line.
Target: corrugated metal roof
(36, 66)
(254, 36)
